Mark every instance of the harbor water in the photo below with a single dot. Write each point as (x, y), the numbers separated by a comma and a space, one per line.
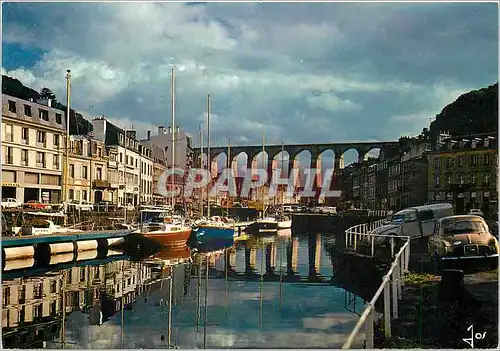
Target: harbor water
(271, 292)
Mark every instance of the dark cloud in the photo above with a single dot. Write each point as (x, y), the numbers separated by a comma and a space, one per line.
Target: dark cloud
(300, 72)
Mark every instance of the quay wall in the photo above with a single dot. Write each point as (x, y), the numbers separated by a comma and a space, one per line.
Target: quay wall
(326, 223)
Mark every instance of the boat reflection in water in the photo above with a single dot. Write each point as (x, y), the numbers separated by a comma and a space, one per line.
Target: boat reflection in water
(261, 292)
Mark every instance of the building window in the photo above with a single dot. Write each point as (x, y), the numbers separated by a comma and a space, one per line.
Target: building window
(72, 171)
(486, 178)
(40, 138)
(43, 114)
(473, 160)
(486, 159)
(82, 274)
(448, 179)
(460, 178)
(38, 290)
(25, 136)
(6, 296)
(27, 110)
(473, 178)
(12, 106)
(58, 118)
(437, 180)
(121, 157)
(84, 195)
(437, 162)
(9, 132)
(460, 161)
(56, 141)
(71, 197)
(449, 162)
(9, 155)
(99, 173)
(84, 172)
(40, 159)
(56, 161)
(24, 158)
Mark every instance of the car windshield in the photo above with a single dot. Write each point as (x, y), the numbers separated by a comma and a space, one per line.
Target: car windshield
(398, 218)
(463, 227)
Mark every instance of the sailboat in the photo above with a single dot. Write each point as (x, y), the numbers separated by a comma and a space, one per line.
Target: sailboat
(265, 224)
(211, 229)
(156, 224)
(284, 222)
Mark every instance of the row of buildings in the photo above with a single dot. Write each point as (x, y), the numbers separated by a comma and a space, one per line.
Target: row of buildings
(109, 164)
(459, 170)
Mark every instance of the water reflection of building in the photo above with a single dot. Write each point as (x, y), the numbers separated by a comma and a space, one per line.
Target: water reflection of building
(32, 307)
(273, 257)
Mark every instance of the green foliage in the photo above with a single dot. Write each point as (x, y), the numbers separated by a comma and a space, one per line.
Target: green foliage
(475, 112)
(48, 94)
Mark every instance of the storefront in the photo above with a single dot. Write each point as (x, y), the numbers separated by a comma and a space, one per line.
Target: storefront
(9, 190)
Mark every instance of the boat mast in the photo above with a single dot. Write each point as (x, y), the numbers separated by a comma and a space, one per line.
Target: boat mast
(172, 87)
(66, 156)
(229, 166)
(265, 170)
(208, 155)
(202, 166)
(125, 180)
(282, 163)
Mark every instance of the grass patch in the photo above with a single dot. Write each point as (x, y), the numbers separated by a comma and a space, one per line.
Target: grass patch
(488, 274)
(421, 279)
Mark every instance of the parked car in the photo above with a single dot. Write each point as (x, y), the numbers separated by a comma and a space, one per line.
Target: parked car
(80, 205)
(476, 212)
(34, 205)
(11, 203)
(416, 222)
(464, 237)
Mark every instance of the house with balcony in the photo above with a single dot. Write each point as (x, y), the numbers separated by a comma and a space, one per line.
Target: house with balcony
(134, 161)
(87, 170)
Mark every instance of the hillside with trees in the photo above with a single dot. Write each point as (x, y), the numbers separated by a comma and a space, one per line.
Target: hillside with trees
(474, 112)
(13, 87)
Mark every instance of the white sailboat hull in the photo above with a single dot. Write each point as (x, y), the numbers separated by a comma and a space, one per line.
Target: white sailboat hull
(284, 224)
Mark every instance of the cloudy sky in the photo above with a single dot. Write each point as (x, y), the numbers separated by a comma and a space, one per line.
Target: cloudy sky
(302, 73)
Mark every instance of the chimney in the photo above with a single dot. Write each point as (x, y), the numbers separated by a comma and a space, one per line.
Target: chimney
(160, 130)
(49, 102)
(169, 130)
(149, 134)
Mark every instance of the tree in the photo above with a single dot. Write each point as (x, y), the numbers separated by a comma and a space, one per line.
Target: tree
(46, 93)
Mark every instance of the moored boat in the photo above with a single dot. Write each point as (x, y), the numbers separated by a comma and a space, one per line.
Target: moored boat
(266, 225)
(213, 230)
(162, 229)
(284, 222)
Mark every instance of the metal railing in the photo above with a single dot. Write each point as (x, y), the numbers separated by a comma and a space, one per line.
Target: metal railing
(391, 285)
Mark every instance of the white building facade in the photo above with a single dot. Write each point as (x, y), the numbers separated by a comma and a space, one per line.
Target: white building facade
(32, 150)
(134, 164)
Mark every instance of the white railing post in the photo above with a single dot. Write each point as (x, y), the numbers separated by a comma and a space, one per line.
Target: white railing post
(394, 294)
(373, 246)
(355, 241)
(392, 247)
(399, 279)
(369, 329)
(407, 256)
(387, 311)
(346, 234)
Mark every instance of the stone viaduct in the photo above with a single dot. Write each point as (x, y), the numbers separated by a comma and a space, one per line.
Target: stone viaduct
(315, 150)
